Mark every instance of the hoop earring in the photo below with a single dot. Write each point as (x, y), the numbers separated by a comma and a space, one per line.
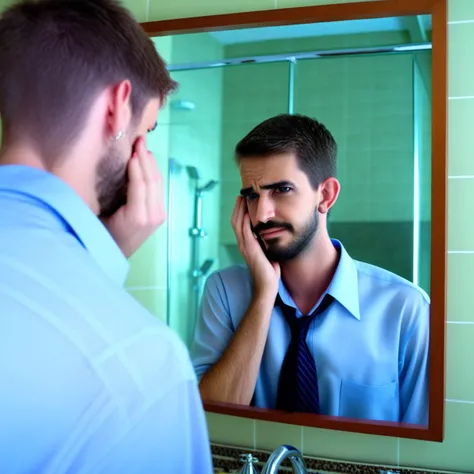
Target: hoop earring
(118, 136)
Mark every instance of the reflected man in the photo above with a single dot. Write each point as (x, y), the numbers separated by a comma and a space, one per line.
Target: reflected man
(303, 327)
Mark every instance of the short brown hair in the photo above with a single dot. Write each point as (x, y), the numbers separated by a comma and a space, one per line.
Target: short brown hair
(311, 142)
(57, 55)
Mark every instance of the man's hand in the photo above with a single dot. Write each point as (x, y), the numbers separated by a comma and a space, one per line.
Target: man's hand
(265, 274)
(144, 210)
(233, 376)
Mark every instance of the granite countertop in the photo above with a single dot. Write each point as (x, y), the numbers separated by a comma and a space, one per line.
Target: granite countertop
(226, 459)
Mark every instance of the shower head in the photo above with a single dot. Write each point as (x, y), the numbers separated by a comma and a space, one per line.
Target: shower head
(193, 172)
(206, 266)
(208, 186)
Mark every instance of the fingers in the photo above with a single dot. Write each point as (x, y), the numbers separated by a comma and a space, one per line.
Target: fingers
(235, 211)
(247, 234)
(157, 209)
(150, 167)
(145, 187)
(250, 240)
(154, 188)
(136, 188)
(240, 210)
(246, 239)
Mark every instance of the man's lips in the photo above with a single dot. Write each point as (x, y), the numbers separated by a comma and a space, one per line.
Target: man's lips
(272, 232)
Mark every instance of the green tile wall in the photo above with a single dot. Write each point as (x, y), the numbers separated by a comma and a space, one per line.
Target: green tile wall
(191, 137)
(456, 452)
(147, 277)
(194, 140)
(367, 102)
(266, 94)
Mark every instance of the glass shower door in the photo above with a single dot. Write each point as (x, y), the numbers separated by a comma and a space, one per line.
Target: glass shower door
(213, 109)
(367, 102)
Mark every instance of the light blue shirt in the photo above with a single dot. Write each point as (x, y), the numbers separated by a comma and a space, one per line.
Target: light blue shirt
(90, 381)
(370, 347)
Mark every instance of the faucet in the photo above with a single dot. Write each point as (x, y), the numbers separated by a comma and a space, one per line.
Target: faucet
(276, 458)
(279, 455)
(249, 460)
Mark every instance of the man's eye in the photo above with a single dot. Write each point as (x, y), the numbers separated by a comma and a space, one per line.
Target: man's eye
(284, 189)
(251, 196)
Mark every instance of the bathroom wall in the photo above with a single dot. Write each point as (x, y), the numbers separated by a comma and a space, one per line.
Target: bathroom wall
(455, 453)
(147, 280)
(367, 102)
(266, 94)
(194, 140)
(189, 136)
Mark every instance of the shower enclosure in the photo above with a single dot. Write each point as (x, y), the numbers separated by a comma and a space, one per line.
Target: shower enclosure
(193, 268)
(196, 233)
(377, 104)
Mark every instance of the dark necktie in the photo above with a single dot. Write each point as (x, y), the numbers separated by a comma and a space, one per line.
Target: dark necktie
(298, 384)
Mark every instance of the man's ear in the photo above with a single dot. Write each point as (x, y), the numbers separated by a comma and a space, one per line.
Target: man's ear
(119, 111)
(329, 190)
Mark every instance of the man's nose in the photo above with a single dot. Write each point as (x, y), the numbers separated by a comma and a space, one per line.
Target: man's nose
(265, 209)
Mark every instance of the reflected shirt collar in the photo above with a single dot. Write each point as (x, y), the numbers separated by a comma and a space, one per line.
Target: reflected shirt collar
(68, 206)
(343, 287)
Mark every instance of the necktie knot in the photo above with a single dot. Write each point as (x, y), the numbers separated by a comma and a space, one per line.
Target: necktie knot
(301, 324)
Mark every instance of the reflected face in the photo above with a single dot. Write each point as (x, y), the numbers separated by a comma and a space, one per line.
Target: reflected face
(111, 173)
(282, 205)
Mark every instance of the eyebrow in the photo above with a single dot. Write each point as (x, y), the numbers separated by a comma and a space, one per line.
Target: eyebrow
(244, 192)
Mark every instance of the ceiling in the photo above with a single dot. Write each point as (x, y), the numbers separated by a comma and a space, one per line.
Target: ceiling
(347, 27)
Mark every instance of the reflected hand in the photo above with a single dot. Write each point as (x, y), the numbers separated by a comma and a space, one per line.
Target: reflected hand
(265, 274)
(144, 210)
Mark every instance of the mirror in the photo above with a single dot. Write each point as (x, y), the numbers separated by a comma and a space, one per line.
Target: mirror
(354, 98)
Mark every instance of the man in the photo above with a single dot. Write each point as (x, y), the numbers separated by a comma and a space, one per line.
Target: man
(90, 381)
(303, 327)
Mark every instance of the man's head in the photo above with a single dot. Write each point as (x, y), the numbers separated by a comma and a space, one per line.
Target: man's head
(79, 77)
(288, 168)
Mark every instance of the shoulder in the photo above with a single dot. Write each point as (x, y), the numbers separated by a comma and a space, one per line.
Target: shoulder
(229, 290)
(155, 352)
(137, 320)
(230, 279)
(377, 279)
(155, 356)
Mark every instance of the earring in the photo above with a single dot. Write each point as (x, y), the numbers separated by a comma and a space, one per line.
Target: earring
(118, 136)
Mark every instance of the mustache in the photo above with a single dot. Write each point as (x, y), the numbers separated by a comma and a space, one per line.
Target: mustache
(261, 226)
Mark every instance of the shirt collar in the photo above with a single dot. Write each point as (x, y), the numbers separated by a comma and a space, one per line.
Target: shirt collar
(343, 287)
(65, 202)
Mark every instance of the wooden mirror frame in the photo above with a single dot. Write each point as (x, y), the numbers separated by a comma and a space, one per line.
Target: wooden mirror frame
(353, 11)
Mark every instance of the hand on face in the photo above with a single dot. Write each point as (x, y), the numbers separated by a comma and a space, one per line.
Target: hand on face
(265, 274)
(144, 210)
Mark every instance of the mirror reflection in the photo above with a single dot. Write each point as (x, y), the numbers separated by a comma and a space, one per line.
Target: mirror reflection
(299, 215)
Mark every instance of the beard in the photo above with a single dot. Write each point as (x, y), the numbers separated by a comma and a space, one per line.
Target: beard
(111, 182)
(277, 253)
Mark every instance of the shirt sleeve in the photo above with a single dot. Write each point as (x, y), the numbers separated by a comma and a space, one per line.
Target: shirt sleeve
(414, 367)
(171, 437)
(214, 327)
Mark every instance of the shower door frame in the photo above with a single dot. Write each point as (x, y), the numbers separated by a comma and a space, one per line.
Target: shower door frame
(353, 11)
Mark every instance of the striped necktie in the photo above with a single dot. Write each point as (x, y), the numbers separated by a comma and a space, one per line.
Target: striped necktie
(298, 385)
